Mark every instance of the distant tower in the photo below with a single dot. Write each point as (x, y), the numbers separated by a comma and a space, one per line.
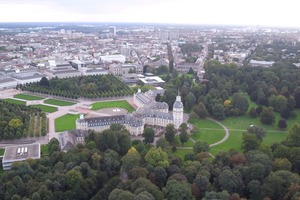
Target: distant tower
(112, 30)
(177, 112)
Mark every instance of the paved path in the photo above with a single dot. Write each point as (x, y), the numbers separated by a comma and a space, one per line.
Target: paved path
(227, 133)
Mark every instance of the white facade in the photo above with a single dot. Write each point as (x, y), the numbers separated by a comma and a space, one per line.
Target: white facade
(112, 58)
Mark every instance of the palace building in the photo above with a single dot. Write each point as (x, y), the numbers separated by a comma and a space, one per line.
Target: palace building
(149, 112)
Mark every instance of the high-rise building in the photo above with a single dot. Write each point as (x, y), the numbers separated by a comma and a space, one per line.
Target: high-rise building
(125, 51)
(112, 30)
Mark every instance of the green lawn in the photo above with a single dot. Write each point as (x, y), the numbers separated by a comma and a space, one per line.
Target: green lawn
(2, 152)
(233, 142)
(180, 152)
(28, 97)
(48, 109)
(209, 136)
(65, 122)
(44, 149)
(57, 102)
(110, 104)
(15, 101)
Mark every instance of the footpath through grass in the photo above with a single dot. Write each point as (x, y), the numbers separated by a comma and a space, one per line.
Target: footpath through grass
(65, 122)
(113, 104)
(15, 101)
(48, 109)
(57, 102)
(28, 97)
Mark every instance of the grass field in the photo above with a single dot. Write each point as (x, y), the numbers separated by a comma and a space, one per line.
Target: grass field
(48, 109)
(65, 122)
(44, 149)
(27, 97)
(110, 104)
(179, 152)
(57, 102)
(15, 101)
(2, 152)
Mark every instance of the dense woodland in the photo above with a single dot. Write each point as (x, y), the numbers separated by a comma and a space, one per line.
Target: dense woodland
(112, 167)
(18, 121)
(95, 86)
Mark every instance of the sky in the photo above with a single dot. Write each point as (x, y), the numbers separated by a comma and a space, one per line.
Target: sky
(228, 12)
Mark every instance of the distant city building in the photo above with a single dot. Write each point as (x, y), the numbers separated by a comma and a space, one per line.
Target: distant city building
(153, 81)
(20, 153)
(125, 51)
(119, 70)
(113, 58)
(168, 35)
(113, 30)
(257, 63)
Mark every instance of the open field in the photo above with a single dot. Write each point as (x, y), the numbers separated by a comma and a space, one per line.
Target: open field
(57, 102)
(112, 104)
(179, 152)
(27, 97)
(15, 101)
(65, 122)
(44, 149)
(48, 109)
(2, 152)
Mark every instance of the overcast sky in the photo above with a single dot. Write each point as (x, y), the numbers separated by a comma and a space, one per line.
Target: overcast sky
(237, 12)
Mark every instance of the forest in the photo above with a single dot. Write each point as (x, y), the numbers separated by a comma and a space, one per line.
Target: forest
(18, 121)
(94, 86)
(110, 166)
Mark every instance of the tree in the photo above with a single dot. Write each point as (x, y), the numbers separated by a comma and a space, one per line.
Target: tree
(148, 135)
(161, 142)
(183, 137)
(160, 176)
(15, 123)
(282, 124)
(44, 82)
(170, 133)
(157, 157)
(293, 138)
(260, 133)
(73, 178)
(230, 181)
(277, 184)
(240, 102)
(250, 142)
(201, 110)
(218, 111)
(200, 146)
(252, 112)
(279, 103)
(118, 194)
(267, 116)
(175, 190)
(282, 164)
(131, 159)
(190, 101)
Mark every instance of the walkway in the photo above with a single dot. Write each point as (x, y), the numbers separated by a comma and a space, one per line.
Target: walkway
(227, 134)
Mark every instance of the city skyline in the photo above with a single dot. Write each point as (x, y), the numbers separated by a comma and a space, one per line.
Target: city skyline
(231, 12)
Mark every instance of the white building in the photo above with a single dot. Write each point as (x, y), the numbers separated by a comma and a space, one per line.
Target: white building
(149, 112)
(113, 58)
(20, 153)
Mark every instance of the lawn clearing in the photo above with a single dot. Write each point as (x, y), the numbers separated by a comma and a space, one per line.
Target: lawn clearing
(180, 152)
(28, 97)
(65, 122)
(2, 152)
(44, 149)
(15, 101)
(57, 102)
(48, 109)
(233, 142)
(210, 136)
(113, 104)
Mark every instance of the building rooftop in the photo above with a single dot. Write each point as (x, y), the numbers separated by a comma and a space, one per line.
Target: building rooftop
(22, 152)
